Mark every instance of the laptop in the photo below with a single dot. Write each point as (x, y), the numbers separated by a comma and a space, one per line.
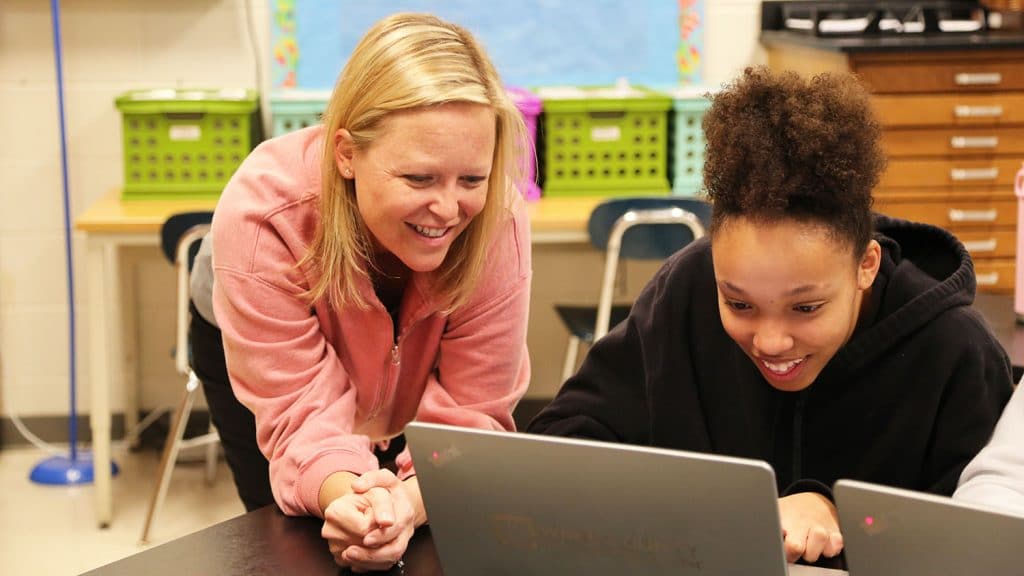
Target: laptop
(889, 531)
(522, 504)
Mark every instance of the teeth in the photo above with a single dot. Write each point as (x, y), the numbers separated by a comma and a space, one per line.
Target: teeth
(783, 367)
(429, 232)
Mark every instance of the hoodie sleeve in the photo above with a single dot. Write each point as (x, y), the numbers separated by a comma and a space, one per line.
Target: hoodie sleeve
(483, 367)
(995, 477)
(280, 363)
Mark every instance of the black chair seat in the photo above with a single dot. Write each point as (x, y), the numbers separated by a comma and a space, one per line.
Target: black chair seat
(580, 320)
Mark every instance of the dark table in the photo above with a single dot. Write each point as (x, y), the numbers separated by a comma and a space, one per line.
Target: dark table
(261, 542)
(268, 543)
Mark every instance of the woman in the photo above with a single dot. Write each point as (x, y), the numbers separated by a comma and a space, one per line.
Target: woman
(373, 271)
(803, 331)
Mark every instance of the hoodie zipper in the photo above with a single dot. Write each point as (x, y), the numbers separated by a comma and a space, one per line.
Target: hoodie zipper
(391, 372)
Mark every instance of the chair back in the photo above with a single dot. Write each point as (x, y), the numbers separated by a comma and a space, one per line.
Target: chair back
(179, 240)
(651, 228)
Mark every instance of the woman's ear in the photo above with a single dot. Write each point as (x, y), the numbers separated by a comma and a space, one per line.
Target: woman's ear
(867, 270)
(344, 150)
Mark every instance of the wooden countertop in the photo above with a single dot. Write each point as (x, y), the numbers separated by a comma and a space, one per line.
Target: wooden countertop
(112, 215)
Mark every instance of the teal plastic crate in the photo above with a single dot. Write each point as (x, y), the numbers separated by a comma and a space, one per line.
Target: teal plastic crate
(185, 143)
(687, 139)
(296, 109)
(605, 141)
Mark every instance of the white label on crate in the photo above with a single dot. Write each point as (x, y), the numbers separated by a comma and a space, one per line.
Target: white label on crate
(605, 133)
(185, 132)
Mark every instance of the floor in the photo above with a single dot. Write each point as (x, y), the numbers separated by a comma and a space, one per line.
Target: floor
(52, 530)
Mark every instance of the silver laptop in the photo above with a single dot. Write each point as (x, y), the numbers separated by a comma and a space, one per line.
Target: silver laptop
(889, 531)
(523, 505)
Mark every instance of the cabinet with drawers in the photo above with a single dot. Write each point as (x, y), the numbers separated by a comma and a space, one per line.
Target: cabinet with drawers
(953, 131)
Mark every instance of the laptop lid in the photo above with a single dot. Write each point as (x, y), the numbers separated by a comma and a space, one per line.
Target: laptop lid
(521, 504)
(889, 531)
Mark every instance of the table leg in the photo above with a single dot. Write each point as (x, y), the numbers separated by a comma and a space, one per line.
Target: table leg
(128, 330)
(102, 265)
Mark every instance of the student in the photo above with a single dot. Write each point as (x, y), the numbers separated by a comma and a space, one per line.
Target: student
(804, 331)
(373, 271)
(995, 477)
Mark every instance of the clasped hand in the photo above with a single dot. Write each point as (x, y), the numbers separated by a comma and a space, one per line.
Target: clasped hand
(369, 528)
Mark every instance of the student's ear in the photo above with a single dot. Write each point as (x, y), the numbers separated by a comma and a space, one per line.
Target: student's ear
(344, 150)
(869, 264)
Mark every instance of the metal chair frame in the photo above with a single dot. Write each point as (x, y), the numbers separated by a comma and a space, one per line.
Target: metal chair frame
(175, 437)
(629, 219)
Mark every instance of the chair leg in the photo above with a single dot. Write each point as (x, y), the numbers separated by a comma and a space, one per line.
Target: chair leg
(572, 352)
(170, 454)
(211, 457)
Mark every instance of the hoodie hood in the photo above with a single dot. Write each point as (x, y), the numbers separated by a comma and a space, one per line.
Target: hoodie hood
(925, 272)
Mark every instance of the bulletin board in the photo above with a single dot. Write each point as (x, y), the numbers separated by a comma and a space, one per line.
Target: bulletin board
(532, 42)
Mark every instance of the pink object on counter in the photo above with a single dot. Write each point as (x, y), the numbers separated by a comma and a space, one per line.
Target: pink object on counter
(529, 106)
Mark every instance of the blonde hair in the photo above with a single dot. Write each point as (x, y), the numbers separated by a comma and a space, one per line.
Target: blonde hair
(405, 62)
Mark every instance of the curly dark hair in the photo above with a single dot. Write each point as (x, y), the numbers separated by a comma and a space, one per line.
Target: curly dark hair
(780, 146)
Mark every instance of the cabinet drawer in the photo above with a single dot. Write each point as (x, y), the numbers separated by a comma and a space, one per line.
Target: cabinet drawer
(950, 110)
(953, 142)
(909, 172)
(955, 216)
(989, 243)
(957, 74)
(995, 275)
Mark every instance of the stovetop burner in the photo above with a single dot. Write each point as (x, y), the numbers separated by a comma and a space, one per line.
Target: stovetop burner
(858, 18)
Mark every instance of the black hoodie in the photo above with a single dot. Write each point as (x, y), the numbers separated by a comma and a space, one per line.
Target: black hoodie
(907, 402)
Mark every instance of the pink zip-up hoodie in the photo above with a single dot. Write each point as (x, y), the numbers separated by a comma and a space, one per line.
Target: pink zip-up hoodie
(324, 384)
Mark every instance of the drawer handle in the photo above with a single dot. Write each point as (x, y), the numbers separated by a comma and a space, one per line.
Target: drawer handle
(967, 174)
(978, 78)
(958, 215)
(977, 246)
(987, 279)
(961, 142)
(964, 111)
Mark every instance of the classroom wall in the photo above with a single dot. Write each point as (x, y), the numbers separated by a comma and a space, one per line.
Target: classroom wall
(111, 46)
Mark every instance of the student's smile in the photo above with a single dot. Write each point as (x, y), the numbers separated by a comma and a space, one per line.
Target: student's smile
(781, 370)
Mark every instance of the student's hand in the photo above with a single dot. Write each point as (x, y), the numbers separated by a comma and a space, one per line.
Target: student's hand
(810, 527)
(392, 516)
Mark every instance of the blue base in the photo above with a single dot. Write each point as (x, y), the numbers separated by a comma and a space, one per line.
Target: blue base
(63, 471)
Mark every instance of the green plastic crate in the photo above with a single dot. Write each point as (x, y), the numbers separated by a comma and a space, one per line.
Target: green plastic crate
(185, 143)
(297, 109)
(687, 140)
(608, 141)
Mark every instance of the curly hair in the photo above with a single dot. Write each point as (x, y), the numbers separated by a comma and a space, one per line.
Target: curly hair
(782, 147)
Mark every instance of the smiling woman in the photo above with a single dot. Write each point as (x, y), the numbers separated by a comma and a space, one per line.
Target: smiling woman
(368, 272)
(804, 331)
(422, 182)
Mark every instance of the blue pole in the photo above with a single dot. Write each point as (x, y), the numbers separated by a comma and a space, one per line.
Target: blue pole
(72, 363)
(75, 469)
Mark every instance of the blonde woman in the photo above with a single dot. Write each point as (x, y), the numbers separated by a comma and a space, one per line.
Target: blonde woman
(373, 271)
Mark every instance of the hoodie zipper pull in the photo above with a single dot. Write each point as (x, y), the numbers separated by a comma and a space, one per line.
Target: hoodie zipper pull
(395, 359)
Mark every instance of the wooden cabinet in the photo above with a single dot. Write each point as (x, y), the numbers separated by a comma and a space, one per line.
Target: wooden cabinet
(953, 130)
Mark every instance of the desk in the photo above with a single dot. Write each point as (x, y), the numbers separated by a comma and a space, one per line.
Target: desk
(112, 224)
(266, 542)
